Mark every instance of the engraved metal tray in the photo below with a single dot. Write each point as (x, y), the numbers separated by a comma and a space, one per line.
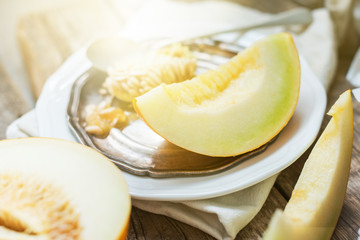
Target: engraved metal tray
(136, 148)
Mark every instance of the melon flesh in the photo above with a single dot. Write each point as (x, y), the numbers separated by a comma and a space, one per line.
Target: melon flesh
(56, 189)
(233, 109)
(317, 199)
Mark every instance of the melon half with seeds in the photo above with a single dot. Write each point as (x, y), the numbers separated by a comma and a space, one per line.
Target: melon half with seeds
(54, 189)
(233, 109)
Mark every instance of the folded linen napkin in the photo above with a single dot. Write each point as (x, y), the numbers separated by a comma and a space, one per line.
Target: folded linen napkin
(223, 217)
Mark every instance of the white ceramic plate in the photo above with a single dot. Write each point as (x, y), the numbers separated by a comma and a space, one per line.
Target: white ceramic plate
(292, 142)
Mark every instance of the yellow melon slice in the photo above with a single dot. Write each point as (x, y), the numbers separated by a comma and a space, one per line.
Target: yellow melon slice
(317, 199)
(231, 110)
(55, 189)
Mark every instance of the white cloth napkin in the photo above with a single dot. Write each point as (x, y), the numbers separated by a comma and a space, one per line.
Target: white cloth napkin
(222, 217)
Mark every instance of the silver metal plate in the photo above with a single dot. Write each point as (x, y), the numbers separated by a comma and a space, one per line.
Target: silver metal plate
(136, 148)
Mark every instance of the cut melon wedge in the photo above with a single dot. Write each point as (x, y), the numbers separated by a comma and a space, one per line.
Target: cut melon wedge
(318, 196)
(231, 110)
(55, 189)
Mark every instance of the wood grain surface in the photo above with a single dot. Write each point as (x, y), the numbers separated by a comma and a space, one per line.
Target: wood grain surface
(12, 104)
(46, 40)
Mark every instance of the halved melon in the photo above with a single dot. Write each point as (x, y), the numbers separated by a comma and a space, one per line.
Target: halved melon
(231, 110)
(318, 196)
(55, 189)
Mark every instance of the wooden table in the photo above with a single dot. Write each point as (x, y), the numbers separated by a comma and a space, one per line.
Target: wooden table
(42, 61)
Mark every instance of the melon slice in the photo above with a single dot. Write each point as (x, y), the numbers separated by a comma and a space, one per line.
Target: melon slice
(318, 196)
(55, 189)
(233, 109)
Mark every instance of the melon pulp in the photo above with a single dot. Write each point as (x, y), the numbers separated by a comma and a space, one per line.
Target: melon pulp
(317, 199)
(55, 189)
(233, 109)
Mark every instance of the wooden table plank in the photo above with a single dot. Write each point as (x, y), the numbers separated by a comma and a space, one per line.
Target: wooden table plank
(12, 104)
(152, 226)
